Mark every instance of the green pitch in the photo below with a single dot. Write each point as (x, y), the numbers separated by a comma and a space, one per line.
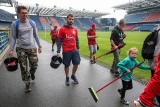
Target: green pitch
(133, 39)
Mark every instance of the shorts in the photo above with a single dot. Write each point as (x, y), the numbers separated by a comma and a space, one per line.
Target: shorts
(53, 41)
(71, 56)
(92, 48)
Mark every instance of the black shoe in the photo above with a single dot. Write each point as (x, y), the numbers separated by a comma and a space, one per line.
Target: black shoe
(111, 70)
(67, 81)
(116, 73)
(92, 62)
(32, 76)
(73, 77)
(28, 87)
(120, 91)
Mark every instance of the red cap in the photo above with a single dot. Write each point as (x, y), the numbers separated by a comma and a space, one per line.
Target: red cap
(94, 25)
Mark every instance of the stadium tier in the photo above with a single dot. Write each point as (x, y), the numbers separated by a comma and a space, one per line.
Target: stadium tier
(154, 16)
(47, 21)
(146, 27)
(5, 16)
(3, 41)
(129, 27)
(37, 21)
(134, 18)
(55, 22)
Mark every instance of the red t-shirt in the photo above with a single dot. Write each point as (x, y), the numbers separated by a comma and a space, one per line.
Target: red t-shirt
(54, 33)
(91, 41)
(68, 36)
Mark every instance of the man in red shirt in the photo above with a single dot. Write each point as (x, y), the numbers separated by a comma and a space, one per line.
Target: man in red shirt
(92, 44)
(152, 89)
(68, 39)
(54, 35)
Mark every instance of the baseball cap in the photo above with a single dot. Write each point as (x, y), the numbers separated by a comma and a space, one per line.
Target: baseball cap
(93, 25)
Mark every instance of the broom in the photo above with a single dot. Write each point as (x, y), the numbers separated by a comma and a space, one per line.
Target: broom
(94, 93)
(112, 50)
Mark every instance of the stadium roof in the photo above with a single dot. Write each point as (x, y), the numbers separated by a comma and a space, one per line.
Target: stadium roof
(6, 3)
(139, 5)
(57, 11)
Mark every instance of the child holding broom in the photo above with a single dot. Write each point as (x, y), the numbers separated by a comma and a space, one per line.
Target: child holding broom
(124, 65)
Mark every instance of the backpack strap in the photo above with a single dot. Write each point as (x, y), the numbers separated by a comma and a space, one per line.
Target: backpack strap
(31, 23)
(17, 26)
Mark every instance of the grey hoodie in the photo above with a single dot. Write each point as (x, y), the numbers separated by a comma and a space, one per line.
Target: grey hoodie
(27, 35)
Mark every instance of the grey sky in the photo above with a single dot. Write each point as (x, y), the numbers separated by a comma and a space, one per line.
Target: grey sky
(99, 5)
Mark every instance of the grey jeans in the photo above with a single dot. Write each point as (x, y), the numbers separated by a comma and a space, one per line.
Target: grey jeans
(116, 60)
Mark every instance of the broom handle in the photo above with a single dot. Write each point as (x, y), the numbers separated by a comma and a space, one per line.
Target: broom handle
(118, 77)
(111, 51)
(106, 53)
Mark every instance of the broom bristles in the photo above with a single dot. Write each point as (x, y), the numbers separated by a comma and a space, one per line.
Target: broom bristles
(93, 93)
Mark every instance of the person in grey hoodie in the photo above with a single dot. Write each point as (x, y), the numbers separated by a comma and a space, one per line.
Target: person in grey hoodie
(24, 34)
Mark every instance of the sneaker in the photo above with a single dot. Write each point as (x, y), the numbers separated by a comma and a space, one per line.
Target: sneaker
(28, 87)
(124, 101)
(91, 61)
(32, 76)
(120, 91)
(73, 77)
(67, 81)
(155, 103)
(111, 70)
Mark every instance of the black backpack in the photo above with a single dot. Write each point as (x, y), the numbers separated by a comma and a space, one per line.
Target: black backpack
(149, 45)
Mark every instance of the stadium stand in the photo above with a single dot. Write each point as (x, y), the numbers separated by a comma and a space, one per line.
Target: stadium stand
(45, 23)
(37, 21)
(78, 24)
(5, 16)
(153, 16)
(60, 20)
(145, 27)
(55, 22)
(3, 40)
(144, 15)
(129, 27)
(134, 18)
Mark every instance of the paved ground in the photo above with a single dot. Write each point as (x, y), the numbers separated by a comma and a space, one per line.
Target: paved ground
(49, 90)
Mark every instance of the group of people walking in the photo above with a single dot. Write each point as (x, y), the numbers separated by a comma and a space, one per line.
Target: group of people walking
(25, 37)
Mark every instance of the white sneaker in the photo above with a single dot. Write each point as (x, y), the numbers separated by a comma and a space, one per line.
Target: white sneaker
(124, 101)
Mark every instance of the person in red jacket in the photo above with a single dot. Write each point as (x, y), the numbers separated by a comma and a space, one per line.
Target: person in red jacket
(152, 89)
(54, 35)
(92, 44)
(68, 39)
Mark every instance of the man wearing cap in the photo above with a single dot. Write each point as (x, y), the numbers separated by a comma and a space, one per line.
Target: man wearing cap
(116, 38)
(92, 44)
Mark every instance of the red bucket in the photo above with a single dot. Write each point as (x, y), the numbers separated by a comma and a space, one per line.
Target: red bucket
(11, 63)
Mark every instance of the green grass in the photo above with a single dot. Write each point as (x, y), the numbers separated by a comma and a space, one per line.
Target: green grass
(133, 39)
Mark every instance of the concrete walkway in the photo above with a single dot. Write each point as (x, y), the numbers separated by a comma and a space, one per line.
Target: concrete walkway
(49, 90)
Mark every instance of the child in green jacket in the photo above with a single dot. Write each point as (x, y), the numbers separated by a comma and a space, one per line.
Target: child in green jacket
(125, 66)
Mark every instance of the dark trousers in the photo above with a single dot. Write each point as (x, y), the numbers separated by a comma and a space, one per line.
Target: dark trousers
(126, 86)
